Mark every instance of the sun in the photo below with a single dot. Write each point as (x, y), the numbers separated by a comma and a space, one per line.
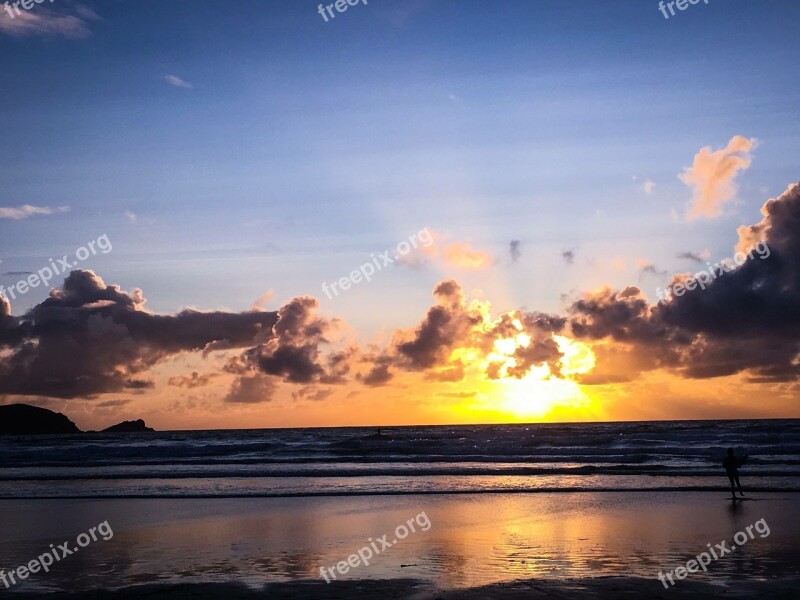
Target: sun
(540, 393)
(538, 396)
(499, 395)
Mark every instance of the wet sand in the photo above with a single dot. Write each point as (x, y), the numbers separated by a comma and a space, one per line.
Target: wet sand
(582, 545)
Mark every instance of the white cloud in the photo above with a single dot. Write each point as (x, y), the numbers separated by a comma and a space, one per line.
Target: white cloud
(41, 21)
(648, 186)
(178, 82)
(26, 210)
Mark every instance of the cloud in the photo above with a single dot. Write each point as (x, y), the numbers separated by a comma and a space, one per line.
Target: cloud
(293, 351)
(453, 324)
(88, 338)
(457, 254)
(445, 325)
(463, 256)
(712, 176)
(253, 389)
(648, 186)
(196, 380)
(698, 257)
(380, 373)
(452, 374)
(781, 217)
(46, 22)
(746, 320)
(647, 268)
(515, 250)
(569, 255)
(176, 81)
(313, 393)
(130, 216)
(263, 300)
(113, 403)
(27, 210)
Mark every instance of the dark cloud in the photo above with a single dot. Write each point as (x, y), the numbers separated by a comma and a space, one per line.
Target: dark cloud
(444, 328)
(569, 255)
(196, 380)
(380, 373)
(293, 351)
(139, 384)
(313, 393)
(693, 256)
(113, 403)
(622, 315)
(89, 338)
(651, 269)
(339, 365)
(746, 320)
(543, 322)
(515, 250)
(253, 389)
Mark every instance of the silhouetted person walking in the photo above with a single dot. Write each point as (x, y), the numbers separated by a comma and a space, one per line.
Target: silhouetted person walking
(731, 463)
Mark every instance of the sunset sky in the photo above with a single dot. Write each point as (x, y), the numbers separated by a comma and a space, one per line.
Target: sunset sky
(560, 161)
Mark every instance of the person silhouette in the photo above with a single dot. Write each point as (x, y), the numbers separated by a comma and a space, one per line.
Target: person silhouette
(731, 463)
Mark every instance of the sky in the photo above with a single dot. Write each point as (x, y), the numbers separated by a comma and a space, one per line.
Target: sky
(536, 171)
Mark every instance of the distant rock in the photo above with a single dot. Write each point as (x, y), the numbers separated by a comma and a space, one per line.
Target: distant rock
(136, 426)
(24, 419)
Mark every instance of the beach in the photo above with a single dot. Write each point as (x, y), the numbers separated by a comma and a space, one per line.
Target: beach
(558, 510)
(424, 300)
(475, 546)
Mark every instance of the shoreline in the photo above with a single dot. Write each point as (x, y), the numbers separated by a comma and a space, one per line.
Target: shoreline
(358, 494)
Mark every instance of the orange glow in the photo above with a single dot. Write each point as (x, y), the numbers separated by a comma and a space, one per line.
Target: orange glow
(540, 393)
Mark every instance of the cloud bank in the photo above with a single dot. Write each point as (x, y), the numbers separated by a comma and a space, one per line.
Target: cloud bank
(89, 338)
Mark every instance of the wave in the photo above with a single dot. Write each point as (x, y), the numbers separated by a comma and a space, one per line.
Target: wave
(580, 456)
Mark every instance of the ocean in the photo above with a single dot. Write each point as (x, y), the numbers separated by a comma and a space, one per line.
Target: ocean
(640, 456)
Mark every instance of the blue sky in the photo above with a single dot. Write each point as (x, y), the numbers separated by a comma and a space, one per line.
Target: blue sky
(303, 146)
